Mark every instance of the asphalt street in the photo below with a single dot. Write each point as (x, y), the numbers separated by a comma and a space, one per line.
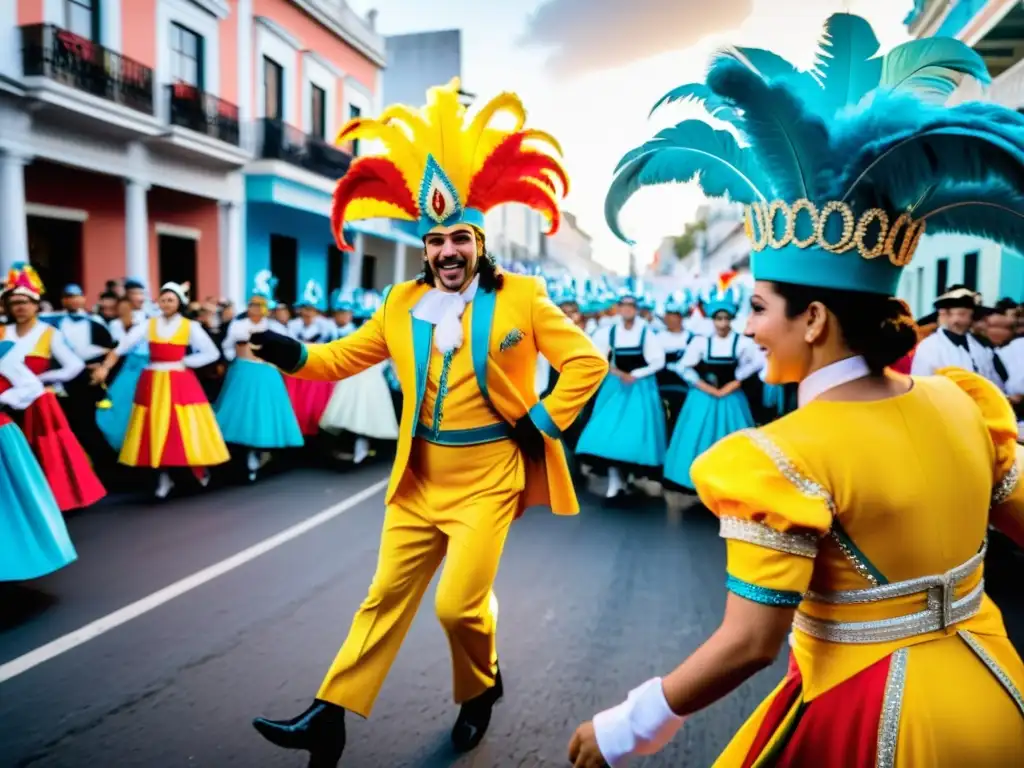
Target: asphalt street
(589, 607)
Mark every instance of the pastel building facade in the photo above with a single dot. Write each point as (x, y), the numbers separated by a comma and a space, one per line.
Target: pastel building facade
(185, 140)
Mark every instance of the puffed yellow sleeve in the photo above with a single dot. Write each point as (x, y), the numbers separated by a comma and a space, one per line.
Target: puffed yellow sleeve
(572, 353)
(1007, 495)
(348, 356)
(771, 513)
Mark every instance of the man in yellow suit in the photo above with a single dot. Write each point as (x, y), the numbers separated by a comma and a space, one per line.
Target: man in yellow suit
(476, 446)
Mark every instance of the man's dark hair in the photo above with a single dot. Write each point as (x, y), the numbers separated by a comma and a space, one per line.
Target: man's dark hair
(490, 278)
(108, 295)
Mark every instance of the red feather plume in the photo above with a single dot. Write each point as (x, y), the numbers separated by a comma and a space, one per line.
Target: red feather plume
(510, 161)
(376, 178)
(529, 193)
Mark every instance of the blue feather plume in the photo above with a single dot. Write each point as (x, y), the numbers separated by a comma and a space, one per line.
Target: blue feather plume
(935, 147)
(679, 154)
(988, 210)
(847, 62)
(697, 92)
(868, 129)
(932, 68)
(789, 140)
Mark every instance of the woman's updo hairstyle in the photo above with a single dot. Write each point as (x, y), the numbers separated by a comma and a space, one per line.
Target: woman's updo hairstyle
(879, 328)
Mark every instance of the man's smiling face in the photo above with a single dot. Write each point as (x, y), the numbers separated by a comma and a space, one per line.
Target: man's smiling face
(452, 254)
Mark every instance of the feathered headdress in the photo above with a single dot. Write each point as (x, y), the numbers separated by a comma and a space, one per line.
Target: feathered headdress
(725, 295)
(843, 169)
(341, 301)
(181, 290)
(440, 168)
(263, 287)
(23, 280)
(680, 302)
(312, 296)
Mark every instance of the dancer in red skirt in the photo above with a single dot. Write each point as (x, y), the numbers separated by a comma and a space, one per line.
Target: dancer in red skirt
(43, 350)
(310, 398)
(172, 424)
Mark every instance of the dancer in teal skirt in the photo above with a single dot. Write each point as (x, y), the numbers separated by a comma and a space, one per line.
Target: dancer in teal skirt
(34, 540)
(253, 410)
(715, 368)
(626, 431)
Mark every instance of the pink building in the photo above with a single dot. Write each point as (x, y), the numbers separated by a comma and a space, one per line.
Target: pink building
(130, 128)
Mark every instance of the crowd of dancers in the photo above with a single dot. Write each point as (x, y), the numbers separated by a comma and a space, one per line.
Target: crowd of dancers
(172, 387)
(856, 502)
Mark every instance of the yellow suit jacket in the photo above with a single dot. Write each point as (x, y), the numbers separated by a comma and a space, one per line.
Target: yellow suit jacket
(509, 327)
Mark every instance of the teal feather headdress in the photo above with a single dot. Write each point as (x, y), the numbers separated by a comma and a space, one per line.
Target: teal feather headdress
(341, 301)
(264, 286)
(843, 168)
(725, 295)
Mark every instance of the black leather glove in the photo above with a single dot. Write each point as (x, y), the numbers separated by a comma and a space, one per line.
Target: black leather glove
(277, 349)
(529, 439)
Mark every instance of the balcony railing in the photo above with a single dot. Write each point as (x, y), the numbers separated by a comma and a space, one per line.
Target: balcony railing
(280, 141)
(203, 113)
(66, 58)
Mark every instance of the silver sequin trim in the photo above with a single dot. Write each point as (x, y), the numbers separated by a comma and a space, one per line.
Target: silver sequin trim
(947, 581)
(809, 488)
(892, 705)
(994, 668)
(936, 616)
(1006, 486)
(802, 544)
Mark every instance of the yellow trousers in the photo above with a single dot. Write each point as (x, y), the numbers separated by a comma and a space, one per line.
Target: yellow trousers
(454, 504)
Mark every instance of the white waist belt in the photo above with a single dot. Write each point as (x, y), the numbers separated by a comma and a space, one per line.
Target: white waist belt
(166, 366)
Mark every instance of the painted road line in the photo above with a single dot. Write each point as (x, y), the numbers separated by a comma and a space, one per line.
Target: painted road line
(141, 607)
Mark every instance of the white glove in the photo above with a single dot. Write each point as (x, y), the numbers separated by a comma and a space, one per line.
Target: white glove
(641, 725)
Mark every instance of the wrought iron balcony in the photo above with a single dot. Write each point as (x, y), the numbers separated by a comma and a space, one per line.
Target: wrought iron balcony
(280, 141)
(66, 58)
(203, 113)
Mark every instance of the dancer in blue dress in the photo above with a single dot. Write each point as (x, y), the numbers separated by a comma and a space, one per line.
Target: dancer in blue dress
(716, 406)
(674, 340)
(253, 410)
(113, 421)
(34, 540)
(626, 431)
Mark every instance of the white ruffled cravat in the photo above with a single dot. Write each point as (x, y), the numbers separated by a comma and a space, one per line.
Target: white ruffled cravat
(444, 311)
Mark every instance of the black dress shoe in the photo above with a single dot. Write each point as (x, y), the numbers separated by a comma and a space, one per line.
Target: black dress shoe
(475, 716)
(320, 730)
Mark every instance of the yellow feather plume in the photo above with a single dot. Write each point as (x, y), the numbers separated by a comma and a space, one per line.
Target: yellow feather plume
(461, 146)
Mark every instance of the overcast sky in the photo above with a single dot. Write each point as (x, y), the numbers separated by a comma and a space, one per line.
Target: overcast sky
(588, 72)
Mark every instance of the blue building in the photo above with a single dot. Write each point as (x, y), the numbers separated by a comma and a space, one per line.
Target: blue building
(288, 203)
(995, 29)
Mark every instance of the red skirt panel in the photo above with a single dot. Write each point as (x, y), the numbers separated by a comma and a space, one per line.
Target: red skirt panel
(64, 462)
(309, 401)
(839, 729)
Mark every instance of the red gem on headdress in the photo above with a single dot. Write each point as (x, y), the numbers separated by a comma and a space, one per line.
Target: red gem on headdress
(437, 202)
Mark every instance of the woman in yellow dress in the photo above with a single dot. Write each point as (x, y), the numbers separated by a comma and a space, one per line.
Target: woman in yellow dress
(856, 525)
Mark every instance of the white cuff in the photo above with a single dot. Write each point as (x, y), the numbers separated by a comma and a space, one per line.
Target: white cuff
(641, 725)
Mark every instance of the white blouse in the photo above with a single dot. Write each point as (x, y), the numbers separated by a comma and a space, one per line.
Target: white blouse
(204, 350)
(70, 364)
(749, 359)
(625, 338)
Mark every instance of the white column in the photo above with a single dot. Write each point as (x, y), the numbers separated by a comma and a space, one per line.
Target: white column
(13, 224)
(399, 267)
(245, 73)
(232, 261)
(354, 264)
(136, 232)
